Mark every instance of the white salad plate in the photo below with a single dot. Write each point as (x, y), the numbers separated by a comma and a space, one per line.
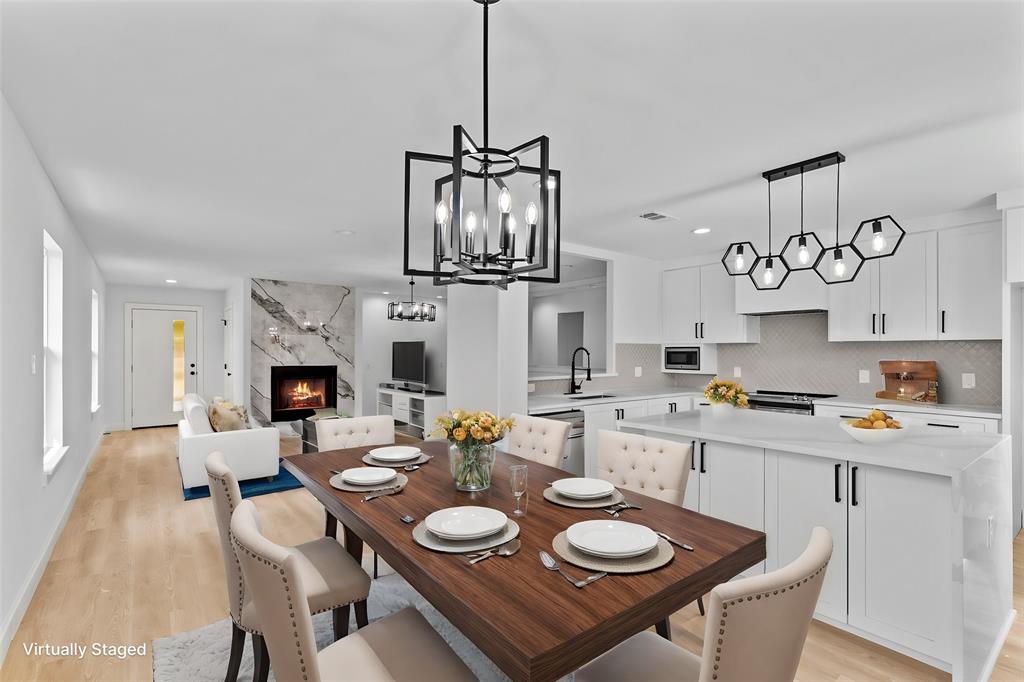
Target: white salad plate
(582, 488)
(368, 475)
(611, 539)
(395, 453)
(465, 523)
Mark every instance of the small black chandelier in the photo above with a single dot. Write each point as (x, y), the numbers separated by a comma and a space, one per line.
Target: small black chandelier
(411, 310)
(464, 250)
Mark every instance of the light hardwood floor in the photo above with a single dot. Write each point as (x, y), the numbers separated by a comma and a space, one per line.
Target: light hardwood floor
(136, 562)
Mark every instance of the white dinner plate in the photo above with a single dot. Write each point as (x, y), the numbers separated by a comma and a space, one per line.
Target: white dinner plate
(395, 453)
(583, 488)
(465, 523)
(368, 475)
(611, 539)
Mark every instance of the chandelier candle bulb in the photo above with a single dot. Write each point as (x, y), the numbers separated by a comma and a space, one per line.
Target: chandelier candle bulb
(531, 237)
(470, 232)
(512, 236)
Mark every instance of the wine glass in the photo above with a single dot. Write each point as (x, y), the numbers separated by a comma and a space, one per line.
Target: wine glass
(517, 477)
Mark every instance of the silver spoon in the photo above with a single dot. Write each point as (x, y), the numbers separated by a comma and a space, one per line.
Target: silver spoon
(552, 565)
(506, 550)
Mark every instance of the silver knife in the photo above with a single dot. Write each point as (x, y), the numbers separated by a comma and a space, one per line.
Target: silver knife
(393, 490)
(685, 546)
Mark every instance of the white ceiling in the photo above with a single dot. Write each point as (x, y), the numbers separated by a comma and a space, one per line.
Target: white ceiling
(207, 140)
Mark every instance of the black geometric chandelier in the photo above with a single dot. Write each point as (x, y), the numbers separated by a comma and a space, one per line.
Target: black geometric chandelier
(464, 246)
(411, 310)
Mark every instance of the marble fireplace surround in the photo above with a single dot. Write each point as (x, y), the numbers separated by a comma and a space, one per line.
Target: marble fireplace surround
(329, 340)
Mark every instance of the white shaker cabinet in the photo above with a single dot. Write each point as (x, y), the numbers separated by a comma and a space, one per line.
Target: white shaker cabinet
(669, 405)
(899, 557)
(801, 493)
(699, 306)
(731, 480)
(605, 417)
(853, 307)
(802, 291)
(970, 282)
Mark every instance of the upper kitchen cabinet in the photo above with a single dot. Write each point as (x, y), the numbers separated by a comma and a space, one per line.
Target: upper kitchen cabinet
(802, 291)
(699, 306)
(970, 282)
(892, 299)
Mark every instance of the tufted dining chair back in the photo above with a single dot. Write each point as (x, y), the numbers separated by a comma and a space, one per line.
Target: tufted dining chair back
(225, 496)
(279, 597)
(538, 439)
(354, 432)
(756, 627)
(649, 466)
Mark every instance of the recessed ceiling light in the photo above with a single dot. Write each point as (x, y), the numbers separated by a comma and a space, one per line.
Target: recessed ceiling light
(702, 230)
(171, 281)
(386, 293)
(345, 233)
(441, 297)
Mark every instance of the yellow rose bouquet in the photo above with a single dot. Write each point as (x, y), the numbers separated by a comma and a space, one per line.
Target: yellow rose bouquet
(471, 454)
(720, 391)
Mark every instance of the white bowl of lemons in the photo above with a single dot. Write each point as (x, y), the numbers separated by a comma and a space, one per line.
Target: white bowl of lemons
(876, 427)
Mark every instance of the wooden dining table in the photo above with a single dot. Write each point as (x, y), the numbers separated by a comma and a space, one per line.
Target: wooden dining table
(531, 622)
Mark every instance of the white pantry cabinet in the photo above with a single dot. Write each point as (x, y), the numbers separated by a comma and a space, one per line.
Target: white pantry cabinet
(699, 306)
(801, 493)
(891, 299)
(970, 282)
(899, 549)
(731, 481)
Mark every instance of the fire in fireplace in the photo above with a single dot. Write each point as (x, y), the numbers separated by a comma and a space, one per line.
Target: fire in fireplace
(297, 390)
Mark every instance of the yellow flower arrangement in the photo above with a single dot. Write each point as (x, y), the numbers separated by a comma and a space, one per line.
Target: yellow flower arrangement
(725, 391)
(472, 435)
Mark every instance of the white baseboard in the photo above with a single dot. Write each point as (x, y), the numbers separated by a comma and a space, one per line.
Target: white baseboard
(997, 648)
(24, 599)
(117, 427)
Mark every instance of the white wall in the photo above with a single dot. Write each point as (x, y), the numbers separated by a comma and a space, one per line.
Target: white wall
(238, 296)
(33, 510)
(374, 335)
(212, 301)
(544, 310)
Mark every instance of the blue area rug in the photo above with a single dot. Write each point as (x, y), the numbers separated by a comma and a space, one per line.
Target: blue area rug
(257, 486)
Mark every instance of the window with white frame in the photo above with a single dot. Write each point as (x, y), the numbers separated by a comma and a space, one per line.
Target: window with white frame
(53, 348)
(94, 347)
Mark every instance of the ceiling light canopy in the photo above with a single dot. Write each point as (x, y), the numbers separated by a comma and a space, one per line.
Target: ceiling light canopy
(480, 186)
(411, 310)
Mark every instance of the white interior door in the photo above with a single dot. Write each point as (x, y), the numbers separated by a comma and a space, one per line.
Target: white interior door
(229, 354)
(164, 364)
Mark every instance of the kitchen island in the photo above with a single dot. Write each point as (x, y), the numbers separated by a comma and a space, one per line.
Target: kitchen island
(922, 528)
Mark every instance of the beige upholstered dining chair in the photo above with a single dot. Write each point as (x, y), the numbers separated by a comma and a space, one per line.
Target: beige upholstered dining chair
(354, 432)
(538, 439)
(400, 647)
(334, 580)
(755, 630)
(649, 466)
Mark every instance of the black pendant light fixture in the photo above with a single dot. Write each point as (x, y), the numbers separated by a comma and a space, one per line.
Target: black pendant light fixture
(454, 213)
(803, 250)
(411, 310)
(878, 237)
(840, 263)
(769, 272)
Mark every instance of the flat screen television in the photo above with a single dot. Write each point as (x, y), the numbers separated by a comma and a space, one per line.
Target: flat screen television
(409, 361)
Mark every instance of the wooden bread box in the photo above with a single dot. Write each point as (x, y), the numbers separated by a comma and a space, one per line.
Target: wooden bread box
(915, 380)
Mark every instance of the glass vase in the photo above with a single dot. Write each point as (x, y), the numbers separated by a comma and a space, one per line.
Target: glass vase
(471, 465)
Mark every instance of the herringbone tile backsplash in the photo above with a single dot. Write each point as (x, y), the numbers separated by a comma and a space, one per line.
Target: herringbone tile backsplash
(795, 355)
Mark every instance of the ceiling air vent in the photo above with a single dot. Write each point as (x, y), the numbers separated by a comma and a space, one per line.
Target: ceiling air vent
(654, 217)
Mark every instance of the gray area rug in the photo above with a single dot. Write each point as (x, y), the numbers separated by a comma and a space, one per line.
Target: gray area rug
(201, 655)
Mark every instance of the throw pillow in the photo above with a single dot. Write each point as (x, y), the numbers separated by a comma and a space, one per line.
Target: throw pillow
(226, 416)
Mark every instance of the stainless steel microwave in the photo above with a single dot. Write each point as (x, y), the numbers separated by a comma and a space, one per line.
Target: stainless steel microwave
(682, 357)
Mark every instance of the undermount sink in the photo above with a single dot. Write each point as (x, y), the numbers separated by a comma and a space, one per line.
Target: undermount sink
(591, 396)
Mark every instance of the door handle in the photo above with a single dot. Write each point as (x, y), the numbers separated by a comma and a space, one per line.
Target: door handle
(838, 467)
(192, 364)
(883, 323)
(703, 470)
(229, 373)
(853, 486)
(943, 321)
(874, 319)
(693, 455)
(193, 372)
(702, 330)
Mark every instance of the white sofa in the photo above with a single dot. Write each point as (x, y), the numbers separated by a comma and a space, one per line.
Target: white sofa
(249, 453)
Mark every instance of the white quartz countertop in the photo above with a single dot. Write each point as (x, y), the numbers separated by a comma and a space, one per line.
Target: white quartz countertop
(982, 411)
(537, 404)
(920, 450)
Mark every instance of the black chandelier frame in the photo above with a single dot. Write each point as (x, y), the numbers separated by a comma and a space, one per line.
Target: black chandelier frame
(412, 310)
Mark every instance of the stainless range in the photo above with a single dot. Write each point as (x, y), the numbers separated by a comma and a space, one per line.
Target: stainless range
(785, 401)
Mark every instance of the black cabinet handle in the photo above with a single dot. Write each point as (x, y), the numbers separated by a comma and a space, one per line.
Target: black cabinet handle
(946, 426)
(848, 416)
(943, 321)
(702, 330)
(693, 455)
(696, 333)
(838, 467)
(193, 372)
(853, 486)
(874, 319)
(702, 469)
(883, 323)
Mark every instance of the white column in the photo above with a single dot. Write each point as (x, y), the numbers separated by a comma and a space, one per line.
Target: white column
(1011, 204)
(487, 348)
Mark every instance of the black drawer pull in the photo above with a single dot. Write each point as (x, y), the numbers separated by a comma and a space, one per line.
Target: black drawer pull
(838, 467)
(703, 470)
(853, 486)
(848, 416)
(945, 426)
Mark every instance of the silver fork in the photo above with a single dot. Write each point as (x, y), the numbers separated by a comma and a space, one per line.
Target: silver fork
(552, 565)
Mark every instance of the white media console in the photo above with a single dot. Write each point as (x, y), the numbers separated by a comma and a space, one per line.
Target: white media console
(414, 412)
